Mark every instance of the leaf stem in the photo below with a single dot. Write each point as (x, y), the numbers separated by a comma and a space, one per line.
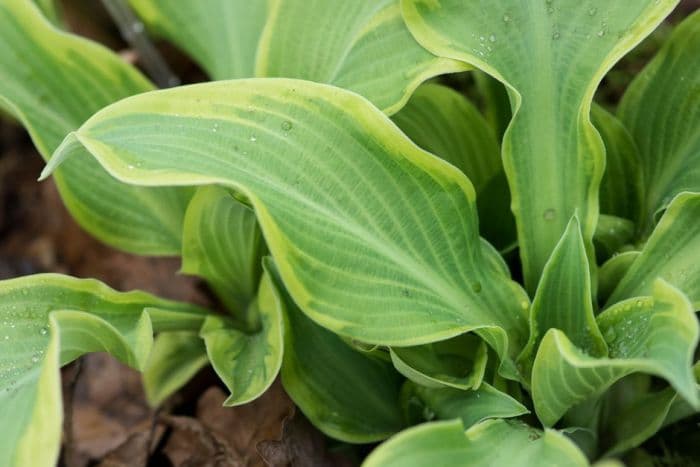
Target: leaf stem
(133, 32)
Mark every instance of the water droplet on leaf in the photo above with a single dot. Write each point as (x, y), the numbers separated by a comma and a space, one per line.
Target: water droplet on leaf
(549, 214)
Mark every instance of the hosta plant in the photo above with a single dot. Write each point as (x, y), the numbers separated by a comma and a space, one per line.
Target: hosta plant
(520, 285)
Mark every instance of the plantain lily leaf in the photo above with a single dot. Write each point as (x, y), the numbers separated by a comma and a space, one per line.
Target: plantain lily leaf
(221, 35)
(665, 96)
(248, 363)
(496, 102)
(622, 185)
(442, 121)
(564, 299)
(374, 238)
(175, 358)
(50, 10)
(493, 442)
(471, 407)
(49, 320)
(612, 234)
(222, 243)
(655, 335)
(345, 393)
(52, 82)
(551, 56)
(612, 272)
(459, 362)
(671, 253)
(639, 422)
(362, 45)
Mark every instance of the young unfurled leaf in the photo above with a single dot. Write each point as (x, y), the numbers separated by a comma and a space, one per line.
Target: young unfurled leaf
(445, 123)
(175, 358)
(671, 253)
(551, 56)
(222, 243)
(655, 335)
(347, 394)
(362, 45)
(248, 362)
(564, 298)
(48, 320)
(489, 443)
(374, 238)
(661, 108)
(52, 82)
(459, 362)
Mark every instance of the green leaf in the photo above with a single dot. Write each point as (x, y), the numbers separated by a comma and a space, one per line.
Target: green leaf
(670, 253)
(362, 45)
(612, 234)
(52, 82)
(622, 185)
(459, 362)
(51, 11)
(248, 363)
(612, 271)
(661, 108)
(346, 394)
(222, 243)
(49, 320)
(445, 123)
(551, 56)
(175, 358)
(563, 299)
(470, 406)
(374, 238)
(496, 102)
(220, 35)
(655, 335)
(489, 443)
(639, 422)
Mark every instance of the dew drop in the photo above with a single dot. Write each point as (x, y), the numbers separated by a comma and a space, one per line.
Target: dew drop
(549, 214)
(43, 331)
(482, 38)
(506, 18)
(130, 167)
(524, 305)
(550, 10)
(476, 286)
(592, 11)
(556, 35)
(492, 38)
(35, 359)
(601, 33)
(286, 125)
(253, 138)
